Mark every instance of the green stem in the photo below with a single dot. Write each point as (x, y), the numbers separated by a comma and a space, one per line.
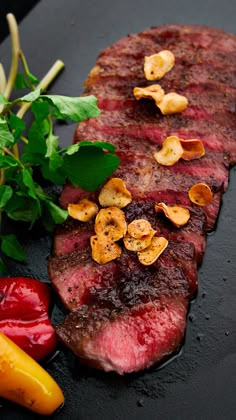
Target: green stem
(45, 82)
(8, 152)
(24, 139)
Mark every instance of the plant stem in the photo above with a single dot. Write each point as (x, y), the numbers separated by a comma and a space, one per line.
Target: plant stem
(24, 139)
(15, 42)
(8, 152)
(45, 82)
(3, 80)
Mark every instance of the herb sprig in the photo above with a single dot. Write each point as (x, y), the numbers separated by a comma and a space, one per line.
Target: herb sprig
(86, 164)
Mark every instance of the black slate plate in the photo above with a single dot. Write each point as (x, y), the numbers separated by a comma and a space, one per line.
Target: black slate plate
(200, 383)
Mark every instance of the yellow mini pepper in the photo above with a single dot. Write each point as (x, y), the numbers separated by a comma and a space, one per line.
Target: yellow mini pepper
(24, 381)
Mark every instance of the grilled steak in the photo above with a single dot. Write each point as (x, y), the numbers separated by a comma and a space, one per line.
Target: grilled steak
(125, 316)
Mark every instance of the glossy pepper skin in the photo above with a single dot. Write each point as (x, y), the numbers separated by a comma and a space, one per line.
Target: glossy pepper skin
(24, 304)
(25, 382)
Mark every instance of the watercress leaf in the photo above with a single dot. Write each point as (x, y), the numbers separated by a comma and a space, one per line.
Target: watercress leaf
(33, 79)
(58, 215)
(36, 141)
(47, 219)
(3, 100)
(100, 144)
(22, 208)
(20, 82)
(32, 158)
(73, 108)
(7, 162)
(17, 125)
(29, 182)
(11, 247)
(52, 145)
(6, 137)
(70, 150)
(56, 176)
(94, 167)
(5, 195)
(30, 97)
(40, 110)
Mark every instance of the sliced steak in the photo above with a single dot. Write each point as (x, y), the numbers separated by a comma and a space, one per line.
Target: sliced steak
(125, 316)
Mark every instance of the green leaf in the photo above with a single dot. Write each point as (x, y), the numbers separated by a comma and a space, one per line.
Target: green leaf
(89, 167)
(70, 150)
(52, 145)
(100, 144)
(17, 125)
(36, 141)
(40, 110)
(22, 208)
(12, 248)
(6, 137)
(33, 159)
(58, 215)
(3, 100)
(29, 182)
(8, 162)
(56, 175)
(20, 82)
(33, 79)
(30, 97)
(74, 108)
(5, 195)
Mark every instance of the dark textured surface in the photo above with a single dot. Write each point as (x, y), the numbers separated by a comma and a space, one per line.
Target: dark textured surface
(18, 8)
(200, 383)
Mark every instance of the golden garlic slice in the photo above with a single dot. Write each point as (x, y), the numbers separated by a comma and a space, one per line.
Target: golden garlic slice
(170, 152)
(110, 223)
(157, 65)
(172, 103)
(114, 193)
(149, 255)
(104, 250)
(192, 149)
(133, 244)
(83, 211)
(200, 194)
(178, 215)
(139, 228)
(153, 92)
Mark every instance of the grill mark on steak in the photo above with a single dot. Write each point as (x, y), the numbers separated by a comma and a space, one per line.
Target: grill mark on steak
(125, 282)
(125, 316)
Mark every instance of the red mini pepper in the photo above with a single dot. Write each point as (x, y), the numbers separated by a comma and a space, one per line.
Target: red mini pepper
(24, 318)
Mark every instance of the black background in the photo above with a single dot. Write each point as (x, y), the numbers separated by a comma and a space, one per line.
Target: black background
(18, 8)
(201, 382)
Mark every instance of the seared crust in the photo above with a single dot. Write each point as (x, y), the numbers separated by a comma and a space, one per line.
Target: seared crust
(126, 316)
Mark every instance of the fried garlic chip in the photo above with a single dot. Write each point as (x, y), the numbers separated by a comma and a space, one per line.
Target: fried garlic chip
(104, 250)
(139, 228)
(200, 194)
(133, 244)
(149, 255)
(157, 65)
(178, 215)
(152, 92)
(114, 193)
(83, 211)
(170, 152)
(192, 149)
(110, 223)
(172, 103)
